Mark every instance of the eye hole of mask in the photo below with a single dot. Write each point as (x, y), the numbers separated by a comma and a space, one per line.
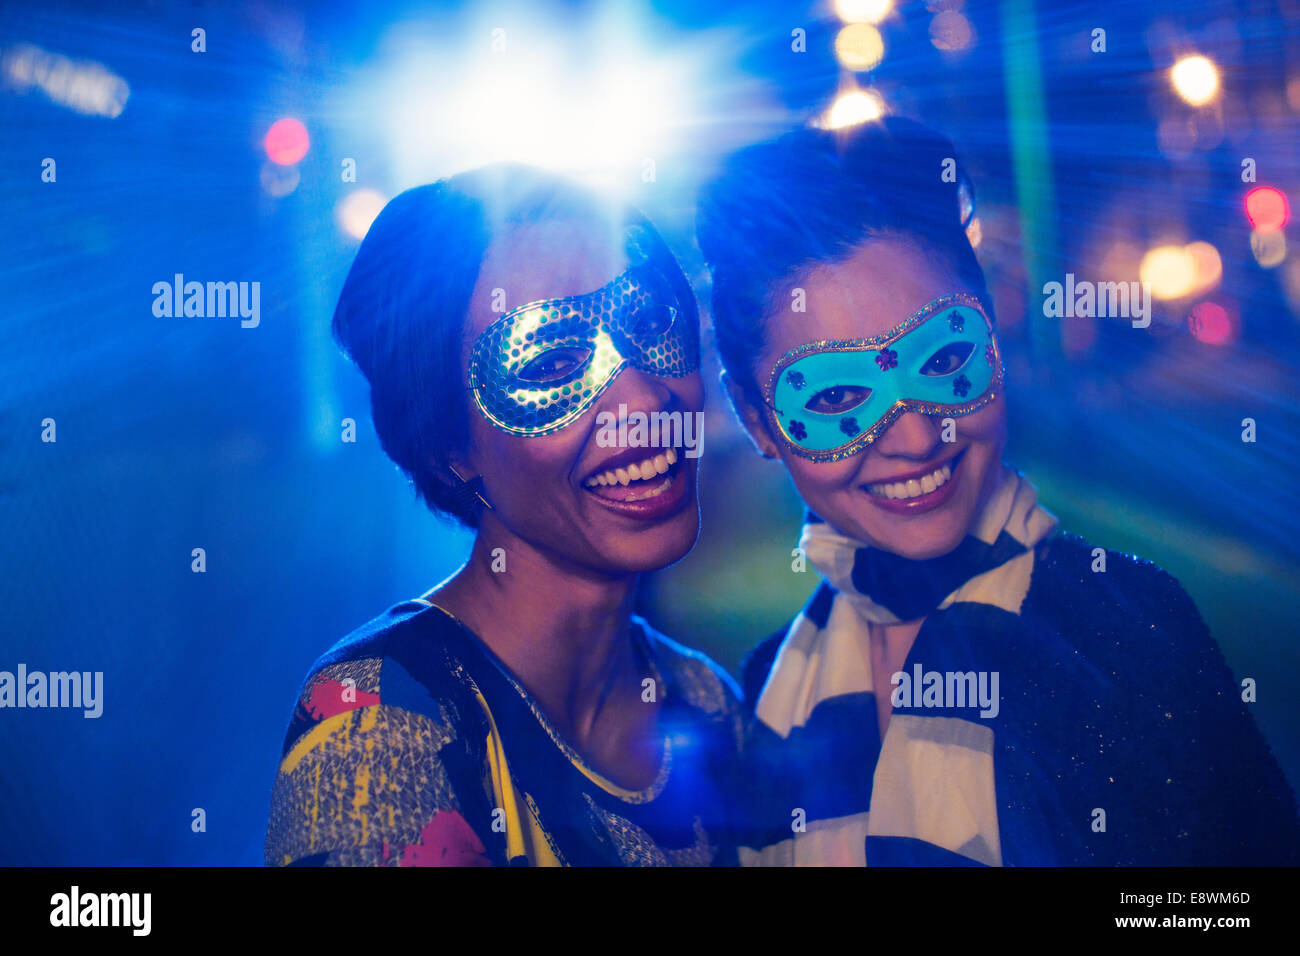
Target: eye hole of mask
(654, 320)
(838, 399)
(948, 359)
(554, 365)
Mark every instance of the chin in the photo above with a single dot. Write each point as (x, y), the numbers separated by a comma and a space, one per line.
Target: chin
(924, 547)
(655, 547)
(919, 538)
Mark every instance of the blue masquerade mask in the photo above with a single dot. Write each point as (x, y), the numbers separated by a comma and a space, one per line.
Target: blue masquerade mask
(831, 399)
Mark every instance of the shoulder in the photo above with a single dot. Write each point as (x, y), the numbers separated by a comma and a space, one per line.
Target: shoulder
(1185, 725)
(1071, 557)
(404, 658)
(703, 683)
(1077, 580)
(1130, 620)
(385, 737)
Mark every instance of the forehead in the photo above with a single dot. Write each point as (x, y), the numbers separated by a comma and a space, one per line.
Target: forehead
(551, 260)
(882, 283)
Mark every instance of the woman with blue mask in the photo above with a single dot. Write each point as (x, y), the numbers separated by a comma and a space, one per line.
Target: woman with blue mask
(968, 684)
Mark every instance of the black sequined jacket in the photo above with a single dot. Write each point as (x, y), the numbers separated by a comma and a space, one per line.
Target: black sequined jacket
(1117, 698)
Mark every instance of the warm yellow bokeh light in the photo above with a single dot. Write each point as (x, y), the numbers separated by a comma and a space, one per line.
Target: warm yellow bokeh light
(1206, 264)
(859, 46)
(358, 210)
(1170, 271)
(863, 11)
(858, 106)
(1196, 79)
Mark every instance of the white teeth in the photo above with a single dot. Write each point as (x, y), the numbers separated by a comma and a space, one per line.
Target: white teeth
(642, 471)
(913, 487)
(654, 492)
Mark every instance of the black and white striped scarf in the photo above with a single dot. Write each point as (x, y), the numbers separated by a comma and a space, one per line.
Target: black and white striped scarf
(933, 782)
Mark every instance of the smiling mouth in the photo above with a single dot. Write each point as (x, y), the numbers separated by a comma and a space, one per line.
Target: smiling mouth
(643, 480)
(916, 487)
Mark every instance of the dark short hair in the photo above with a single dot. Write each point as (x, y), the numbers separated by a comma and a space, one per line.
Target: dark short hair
(810, 197)
(401, 313)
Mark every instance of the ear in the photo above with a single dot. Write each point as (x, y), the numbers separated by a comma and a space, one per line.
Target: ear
(447, 468)
(751, 417)
(460, 476)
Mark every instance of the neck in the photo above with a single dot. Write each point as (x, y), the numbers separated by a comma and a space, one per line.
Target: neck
(561, 629)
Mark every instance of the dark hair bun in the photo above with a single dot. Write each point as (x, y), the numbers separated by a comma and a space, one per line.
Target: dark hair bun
(810, 197)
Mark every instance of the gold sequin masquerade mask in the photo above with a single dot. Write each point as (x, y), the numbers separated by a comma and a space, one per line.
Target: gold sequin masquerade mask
(830, 399)
(539, 367)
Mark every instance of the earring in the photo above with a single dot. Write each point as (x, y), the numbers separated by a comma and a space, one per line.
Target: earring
(470, 492)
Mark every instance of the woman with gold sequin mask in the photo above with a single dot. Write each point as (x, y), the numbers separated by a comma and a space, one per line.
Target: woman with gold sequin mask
(509, 323)
(967, 685)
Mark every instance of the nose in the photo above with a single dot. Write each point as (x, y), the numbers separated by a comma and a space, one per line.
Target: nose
(912, 435)
(639, 391)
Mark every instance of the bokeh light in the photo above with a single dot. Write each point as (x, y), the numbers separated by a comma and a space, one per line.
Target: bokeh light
(1207, 266)
(605, 104)
(358, 210)
(81, 85)
(950, 31)
(286, 141)
(1267, 209)
(1196, 79)
(859, 46)
(1268, 248)
(1122, 261)
(854, 107)
(1170, 271)
(279, 181)
(1212, 324)
(863, 11)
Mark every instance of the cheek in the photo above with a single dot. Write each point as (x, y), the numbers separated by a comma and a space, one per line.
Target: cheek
(514, 464)
(815, 480)
(988, 426)
(689, 390)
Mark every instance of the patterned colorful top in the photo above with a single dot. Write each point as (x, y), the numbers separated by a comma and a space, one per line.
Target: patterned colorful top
(413, 745)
